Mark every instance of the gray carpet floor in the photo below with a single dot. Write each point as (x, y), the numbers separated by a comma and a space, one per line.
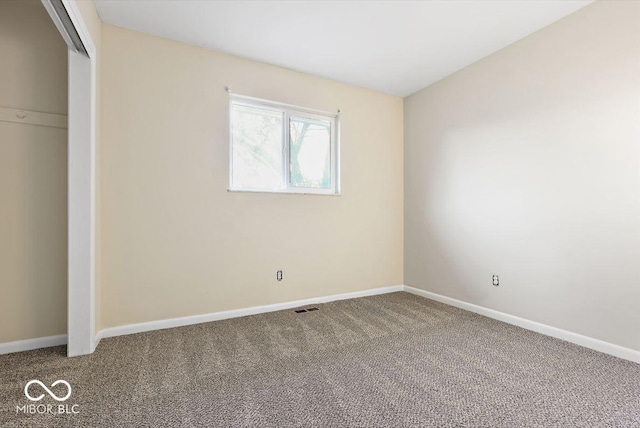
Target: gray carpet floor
(385, 361)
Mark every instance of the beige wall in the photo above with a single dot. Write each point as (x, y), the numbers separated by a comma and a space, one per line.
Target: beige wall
(34, 59)
(176, 243)
(94, 25)
(33, 176)
(526, 164)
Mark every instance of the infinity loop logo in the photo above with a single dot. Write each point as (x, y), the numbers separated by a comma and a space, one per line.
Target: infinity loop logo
(41, 396)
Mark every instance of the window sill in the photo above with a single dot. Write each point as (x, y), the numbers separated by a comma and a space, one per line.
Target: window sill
(283, 192)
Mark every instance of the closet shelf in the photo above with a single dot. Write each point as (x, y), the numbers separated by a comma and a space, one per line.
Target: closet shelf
(33, 117)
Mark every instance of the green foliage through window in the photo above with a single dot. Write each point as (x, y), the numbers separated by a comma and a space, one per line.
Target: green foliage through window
(282, 150)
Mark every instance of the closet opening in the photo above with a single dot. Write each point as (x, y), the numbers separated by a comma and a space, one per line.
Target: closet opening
(47, 177)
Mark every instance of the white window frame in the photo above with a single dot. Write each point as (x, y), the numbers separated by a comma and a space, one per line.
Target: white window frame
(289, 111)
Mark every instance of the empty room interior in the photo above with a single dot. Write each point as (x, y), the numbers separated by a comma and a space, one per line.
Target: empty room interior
(320, 213)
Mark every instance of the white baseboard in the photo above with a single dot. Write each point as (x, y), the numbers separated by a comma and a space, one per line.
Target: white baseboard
(217, 316)
(31, 344)
(96, 340)
(578, 339)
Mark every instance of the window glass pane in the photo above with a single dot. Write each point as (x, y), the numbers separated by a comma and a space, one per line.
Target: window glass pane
(257, 148)
(310, 153)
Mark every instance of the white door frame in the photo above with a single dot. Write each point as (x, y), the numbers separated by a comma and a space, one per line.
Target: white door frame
(81, 181)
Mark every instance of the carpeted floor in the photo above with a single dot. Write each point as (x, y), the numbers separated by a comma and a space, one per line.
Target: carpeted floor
(386, 361)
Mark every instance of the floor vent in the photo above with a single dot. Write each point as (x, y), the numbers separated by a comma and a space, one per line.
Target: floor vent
(312, 309)
(302, 311)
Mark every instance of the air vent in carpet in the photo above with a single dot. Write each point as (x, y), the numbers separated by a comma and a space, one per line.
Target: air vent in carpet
(301, 311)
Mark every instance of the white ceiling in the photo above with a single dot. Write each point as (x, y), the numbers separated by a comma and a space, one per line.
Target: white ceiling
(396, 47)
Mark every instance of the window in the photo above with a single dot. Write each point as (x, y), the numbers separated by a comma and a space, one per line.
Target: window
(281, 148)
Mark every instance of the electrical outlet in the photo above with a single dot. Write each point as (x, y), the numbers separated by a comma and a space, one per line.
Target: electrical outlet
(496, 280)
(279, 275)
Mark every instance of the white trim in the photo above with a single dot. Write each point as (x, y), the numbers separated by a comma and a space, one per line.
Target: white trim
(30, 344)
(33, 117)
(337, 187)
(81, 180)
(80, 26)
(575, 338)
(217, 316)
(96, 339)
(250, 101)
(283, 192)
(81, 200)
(585, 341)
